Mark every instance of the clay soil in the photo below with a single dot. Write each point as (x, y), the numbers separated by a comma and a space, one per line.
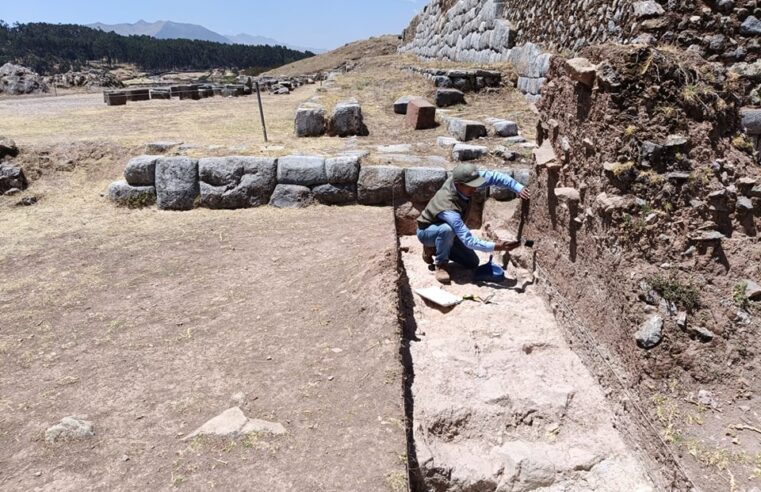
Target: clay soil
(148, 323)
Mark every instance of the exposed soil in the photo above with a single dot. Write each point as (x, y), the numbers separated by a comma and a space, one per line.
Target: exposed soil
(148, 322)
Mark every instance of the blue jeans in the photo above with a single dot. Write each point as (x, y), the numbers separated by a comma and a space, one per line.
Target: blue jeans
(448, 246)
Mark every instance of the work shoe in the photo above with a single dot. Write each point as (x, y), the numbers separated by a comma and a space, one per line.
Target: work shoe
(428, 253)
(442, 275)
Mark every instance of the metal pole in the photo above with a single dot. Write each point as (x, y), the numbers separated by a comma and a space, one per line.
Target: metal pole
(261, 111)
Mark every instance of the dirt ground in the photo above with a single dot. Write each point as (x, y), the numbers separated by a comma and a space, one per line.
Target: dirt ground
(148, 322)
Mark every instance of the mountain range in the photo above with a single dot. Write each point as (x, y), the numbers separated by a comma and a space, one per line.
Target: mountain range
(178, 30)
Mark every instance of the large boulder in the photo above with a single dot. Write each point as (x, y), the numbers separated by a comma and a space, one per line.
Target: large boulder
(310, 121)
(124, 194)
(302, 170)
(347, 120)
(335, 194)
(16, 80)
(380, 185)
(421, 183)
(236, 182)
(176, 183)
(465, 130)
(342, 170)
(291, 196)
(141, 171)
(11, 178)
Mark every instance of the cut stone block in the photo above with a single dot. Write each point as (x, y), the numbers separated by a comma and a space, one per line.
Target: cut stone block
(116, 98)
(466, 130)
(380, 185)
(122, 193)
(421, 183)
(138, 94)
(347, 120)
(301, 170)
(465, 152)
(291, 196)
(400, 106)
(449, 97)
(310, 121)
(446, 142)
(177, 183)
(141, 171)
(504, 128)
(335, 194)
(342, 170)
(421, 115)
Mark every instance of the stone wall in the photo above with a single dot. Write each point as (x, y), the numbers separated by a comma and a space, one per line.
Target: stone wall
(295, 181)
(520, 32)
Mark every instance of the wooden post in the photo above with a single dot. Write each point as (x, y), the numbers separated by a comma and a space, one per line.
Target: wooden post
(261, 111)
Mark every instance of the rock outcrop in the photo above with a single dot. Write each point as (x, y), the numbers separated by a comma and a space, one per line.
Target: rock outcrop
(17, 80)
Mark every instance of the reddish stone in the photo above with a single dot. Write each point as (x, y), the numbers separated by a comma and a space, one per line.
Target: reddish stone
(421, 114)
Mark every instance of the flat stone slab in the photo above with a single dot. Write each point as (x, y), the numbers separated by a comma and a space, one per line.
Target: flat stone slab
(465, 152)
(233, 423)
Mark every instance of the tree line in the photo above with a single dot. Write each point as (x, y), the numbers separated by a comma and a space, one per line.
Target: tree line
(54, 48)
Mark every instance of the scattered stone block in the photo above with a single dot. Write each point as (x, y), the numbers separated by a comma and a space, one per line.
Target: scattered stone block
(650, 333)
(70, 428)
(400, 106)
(421, 183)
(466, 130)
(301, 170)
(138, 94)
(161, 94)
(115, 98)
(310, 121)
(177, 183)
(503, 128)
(11, 177)
(421, 115)
(582, 70)
(291, 196)
(335, 194)
(124, 194)
(342, 170)
(347, 120)
(449, 97)
(465, 152)
(141, 171)
(380, 185)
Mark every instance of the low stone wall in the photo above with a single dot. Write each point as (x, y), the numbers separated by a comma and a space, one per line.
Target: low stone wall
(295, 181)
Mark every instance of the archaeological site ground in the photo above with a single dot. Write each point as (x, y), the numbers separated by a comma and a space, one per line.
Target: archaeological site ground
(185, 305)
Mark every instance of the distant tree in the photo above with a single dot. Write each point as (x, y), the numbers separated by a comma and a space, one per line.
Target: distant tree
(43, 47)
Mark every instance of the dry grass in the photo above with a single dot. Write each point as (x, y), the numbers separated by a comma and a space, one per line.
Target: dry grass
(379, 46)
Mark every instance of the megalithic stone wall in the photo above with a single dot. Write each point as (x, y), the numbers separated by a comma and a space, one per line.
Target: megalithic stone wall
(523, 32)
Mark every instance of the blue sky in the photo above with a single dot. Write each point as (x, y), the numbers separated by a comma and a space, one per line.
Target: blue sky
(312, 23)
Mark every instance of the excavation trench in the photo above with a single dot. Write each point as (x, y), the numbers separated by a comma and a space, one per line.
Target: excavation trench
(494, 397)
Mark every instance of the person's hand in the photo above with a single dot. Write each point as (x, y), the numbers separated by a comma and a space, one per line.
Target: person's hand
(525, 194)
(506, 245)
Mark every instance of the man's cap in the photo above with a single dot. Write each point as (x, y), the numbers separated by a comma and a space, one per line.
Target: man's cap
(468, 174)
